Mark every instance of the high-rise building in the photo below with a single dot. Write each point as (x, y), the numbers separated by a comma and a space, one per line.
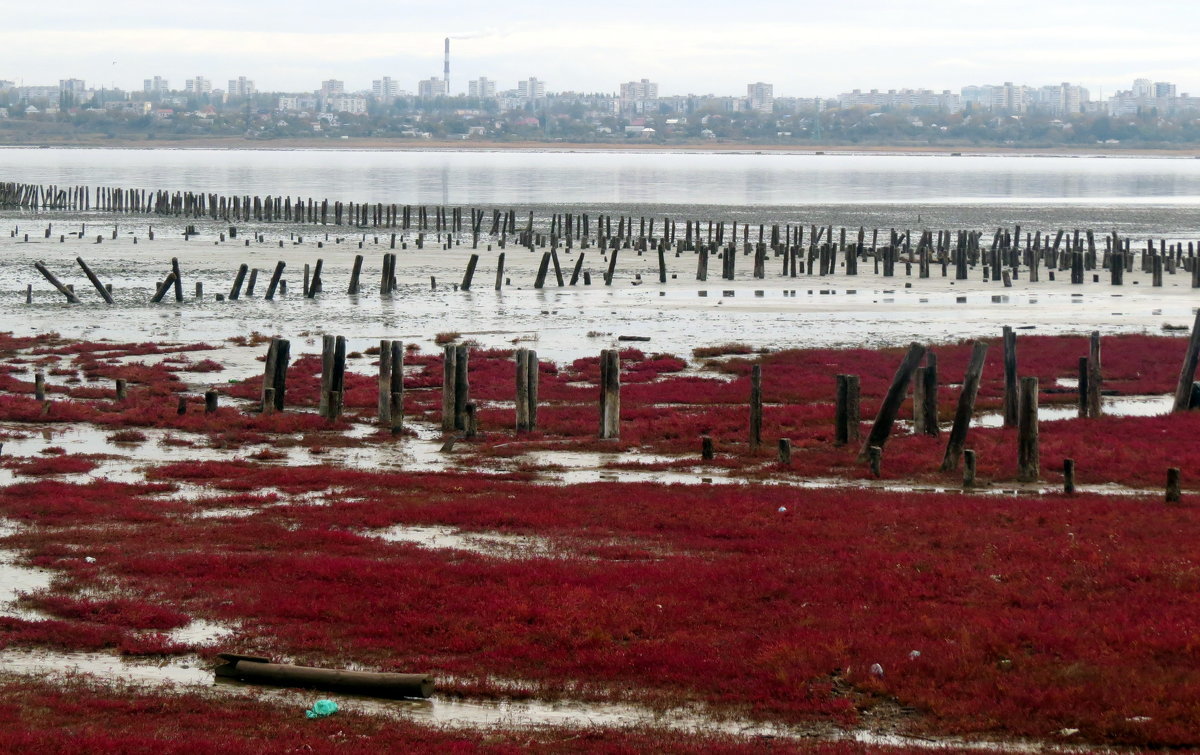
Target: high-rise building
(240, 87)
(761, 97)
(385, 88)
(431, 87)
(1143, 88)
(332, 88)
(156, 86)
(483, 88)
(1164, 89)
(638, 96)
(198, 85)
(531, 89)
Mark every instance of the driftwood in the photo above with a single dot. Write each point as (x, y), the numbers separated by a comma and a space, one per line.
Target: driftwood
(258, 670)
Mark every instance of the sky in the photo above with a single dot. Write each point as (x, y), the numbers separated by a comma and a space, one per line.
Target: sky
(803, 48)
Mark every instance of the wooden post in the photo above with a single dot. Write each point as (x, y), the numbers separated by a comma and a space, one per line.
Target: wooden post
(1093, 386)
(396, 408)
(1028, 462)
(210, 401)
(178, 279)
(706, 447)
(1173, 485)
(355, 272)
(522, 390)
(462, 386)
(104, 294)
(500, 271)
(968, 469)
(1187, 373)
(892, 401)
(328, 345)
(1011, 399)
(543, 269)
(785, 451)
(71, 298)
(966, 407)
(846, 416)
(383, 403)
(121, 389)
(755, 407)
(470, 272)
(612, 268)
(1068, 476)
(1082, 387)
(875, 459)
(531, 383)
(238, 280)
(163, 288)
(274, 284)
(39, 385)
(449, 372)
(610, 394)
(929, 395)
(275, 375)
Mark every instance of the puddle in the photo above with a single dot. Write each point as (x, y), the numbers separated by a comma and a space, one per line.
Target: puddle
(496, 544)
(200, 632)
(1115, 406)
(15, 579)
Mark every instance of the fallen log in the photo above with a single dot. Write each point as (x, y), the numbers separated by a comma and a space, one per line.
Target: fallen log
(258, 670)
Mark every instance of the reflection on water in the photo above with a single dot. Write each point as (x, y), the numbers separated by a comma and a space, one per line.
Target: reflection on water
(602, 178)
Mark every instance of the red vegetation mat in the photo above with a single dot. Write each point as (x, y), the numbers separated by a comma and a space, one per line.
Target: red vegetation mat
(663, 411)
(1004, 615)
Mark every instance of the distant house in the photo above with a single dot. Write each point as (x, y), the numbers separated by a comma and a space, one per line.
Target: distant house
(164, 113)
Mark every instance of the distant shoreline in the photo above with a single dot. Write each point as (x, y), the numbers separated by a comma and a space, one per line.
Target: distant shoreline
(398, 145)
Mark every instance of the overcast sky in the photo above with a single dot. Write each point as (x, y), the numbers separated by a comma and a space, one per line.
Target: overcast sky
(804, 48)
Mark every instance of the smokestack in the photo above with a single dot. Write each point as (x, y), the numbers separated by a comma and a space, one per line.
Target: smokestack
(446, 67)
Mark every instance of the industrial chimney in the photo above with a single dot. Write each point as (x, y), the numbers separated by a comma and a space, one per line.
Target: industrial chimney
(446, 67)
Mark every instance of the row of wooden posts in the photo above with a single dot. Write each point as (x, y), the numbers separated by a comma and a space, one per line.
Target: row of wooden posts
(1020, 405)
(459, 417)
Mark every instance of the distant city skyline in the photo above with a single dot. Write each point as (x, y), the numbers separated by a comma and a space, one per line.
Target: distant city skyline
(803, 49)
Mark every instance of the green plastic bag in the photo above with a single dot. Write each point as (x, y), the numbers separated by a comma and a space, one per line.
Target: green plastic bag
(322, 708)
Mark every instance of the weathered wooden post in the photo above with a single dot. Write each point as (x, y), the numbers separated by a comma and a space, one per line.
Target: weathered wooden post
(121, 389)
(462, 386)
(875, 459)
(104, 294)
(1173, 490)
(1187, 373)
(449, 372)
(500, 271)
(355, 273)
(470, 272)
(274, 284)
(846, 415)
(383, 404)
(238, 280)
(892, 401)
(1028, 460)
(275, 375)
(1068, 476)
(756, 407)
(210, 401)
(610, 394)
(39, 385)
(966, 407)
(1010, 377)
(71, 298)
(706, 447)
(785, 451)
(1093, 386)
(968, 468)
